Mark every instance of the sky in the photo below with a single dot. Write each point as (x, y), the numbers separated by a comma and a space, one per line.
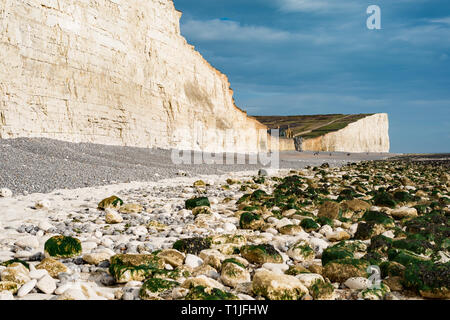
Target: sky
(293, 57)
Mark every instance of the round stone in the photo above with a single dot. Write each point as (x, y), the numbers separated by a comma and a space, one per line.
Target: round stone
(193, 261)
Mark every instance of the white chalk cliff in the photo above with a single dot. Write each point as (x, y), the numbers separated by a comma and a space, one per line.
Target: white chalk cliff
(113, 72)
(369, 134)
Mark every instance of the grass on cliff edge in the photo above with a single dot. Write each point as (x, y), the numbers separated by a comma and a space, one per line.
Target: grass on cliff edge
(318, 124)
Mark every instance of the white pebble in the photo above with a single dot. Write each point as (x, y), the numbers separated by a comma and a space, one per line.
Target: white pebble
(29, 241)
(325, 230)
(229, 227)
(107, 242)
(389, 234)
(89, 292)
(278, 268)
(46, 284)
(37, 274)
(5, 193)
(178, 229)
(219, 230)
(140, 231)
(283, 222)
(353, 228)
(63, 288)
(45, 225)
(104, 294)
(23, 254)
(133, 284)
(72, 294)
(193, 261)
(267, 235)
(88, 245)
(272, 231)
(308, 279)
(358, 283)
(318, 245)
(26, 288)
(6, 295)
(179, 293)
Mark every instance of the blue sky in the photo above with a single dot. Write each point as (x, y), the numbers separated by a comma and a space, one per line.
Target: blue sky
(292, 57)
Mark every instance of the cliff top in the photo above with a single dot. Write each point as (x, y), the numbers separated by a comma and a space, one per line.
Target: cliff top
(311, 126)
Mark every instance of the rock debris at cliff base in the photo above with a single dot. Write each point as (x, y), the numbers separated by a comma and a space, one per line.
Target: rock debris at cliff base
(300, 234)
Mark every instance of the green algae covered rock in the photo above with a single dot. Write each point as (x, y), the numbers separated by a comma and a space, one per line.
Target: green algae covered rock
(334, 253)
(432, 280)
(201, 210)
(134, 267)
(417, 246)
(258, 195)
(53, 267)
(375, 293)
(321, 290)
(379, 218)
(261, 254)
(192, 245)
(9, 286)
(343, 269)
(380, 244)
(197, 202)
(342, 250)
(152, 287)
(233, 273)
(206, 293)
(249, 220)
(384, 199)
(309, 225)
(112, 202)
(296, 270)
(405, 257)
(301, 251)
(62, 247)
(392, 269)
(402, 196)
(367, 230)
(15, 260)
(275, 286)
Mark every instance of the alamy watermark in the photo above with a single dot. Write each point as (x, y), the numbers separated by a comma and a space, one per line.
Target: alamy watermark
(374, 20)
(229, 147)
(375, 277)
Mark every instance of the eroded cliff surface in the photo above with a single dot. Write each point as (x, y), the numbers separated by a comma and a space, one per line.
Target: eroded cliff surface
(113, 72)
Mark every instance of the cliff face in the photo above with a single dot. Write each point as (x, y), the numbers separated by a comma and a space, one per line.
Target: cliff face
(113, 72)
(369, 134)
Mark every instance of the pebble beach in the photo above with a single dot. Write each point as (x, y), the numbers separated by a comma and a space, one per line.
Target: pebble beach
(372, 230)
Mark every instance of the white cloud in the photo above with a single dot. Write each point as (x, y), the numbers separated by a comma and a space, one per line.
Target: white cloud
(220, 30)
(424, 34)
(217, 29)
(445, 20)
(314, 5)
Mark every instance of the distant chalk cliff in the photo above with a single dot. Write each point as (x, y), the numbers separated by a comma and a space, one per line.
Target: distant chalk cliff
(333, 132)
(369, 134)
